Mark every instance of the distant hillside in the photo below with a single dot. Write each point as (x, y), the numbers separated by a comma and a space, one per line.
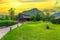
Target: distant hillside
(33, 12)
(49, 10)
(56, 14)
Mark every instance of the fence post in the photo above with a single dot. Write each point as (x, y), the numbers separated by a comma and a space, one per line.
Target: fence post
(10, 28)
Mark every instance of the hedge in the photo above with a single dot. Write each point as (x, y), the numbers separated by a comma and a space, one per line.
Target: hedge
(7, 23)
(56, 21)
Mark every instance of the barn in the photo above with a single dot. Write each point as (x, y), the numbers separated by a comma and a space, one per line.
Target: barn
(26, 15)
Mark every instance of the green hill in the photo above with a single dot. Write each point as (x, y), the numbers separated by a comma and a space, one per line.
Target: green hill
(33, 12)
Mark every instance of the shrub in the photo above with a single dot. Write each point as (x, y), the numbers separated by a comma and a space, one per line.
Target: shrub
(7, 23)
(33, 18)
(38, 17)
(56, 21)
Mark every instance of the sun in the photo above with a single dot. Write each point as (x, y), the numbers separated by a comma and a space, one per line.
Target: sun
(16, 4)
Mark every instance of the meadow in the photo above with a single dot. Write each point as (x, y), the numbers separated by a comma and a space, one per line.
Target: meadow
(34, 31)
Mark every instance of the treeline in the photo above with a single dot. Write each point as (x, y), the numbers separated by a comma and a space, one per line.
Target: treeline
(47, 17)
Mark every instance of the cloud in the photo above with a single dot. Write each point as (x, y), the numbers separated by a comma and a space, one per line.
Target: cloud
(35, 0)
(31, 0)
(4, 1)
(1, 1)
(7, 1)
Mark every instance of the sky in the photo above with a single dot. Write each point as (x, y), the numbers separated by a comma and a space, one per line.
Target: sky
(21, 5)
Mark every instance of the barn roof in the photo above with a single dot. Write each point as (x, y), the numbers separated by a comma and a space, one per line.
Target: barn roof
(26, 16)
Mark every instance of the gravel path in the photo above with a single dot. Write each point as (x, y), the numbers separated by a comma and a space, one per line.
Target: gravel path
(4, 31)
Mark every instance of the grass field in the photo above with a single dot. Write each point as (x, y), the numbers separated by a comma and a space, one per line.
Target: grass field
(34, 31)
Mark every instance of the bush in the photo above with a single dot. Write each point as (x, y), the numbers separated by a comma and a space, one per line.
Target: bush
(56, 21)
(38, 17)
(15, 17)
(33, 18)
(7, 23)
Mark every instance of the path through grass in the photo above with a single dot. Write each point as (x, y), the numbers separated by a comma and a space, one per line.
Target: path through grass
(34, 31)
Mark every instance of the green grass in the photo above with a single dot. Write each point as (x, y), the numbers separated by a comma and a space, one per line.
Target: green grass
(34, 31)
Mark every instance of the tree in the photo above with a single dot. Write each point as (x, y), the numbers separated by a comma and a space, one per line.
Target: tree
(47, 16)
(38, 17)
(11, 12)
(6, 17)
(51, 18)
(33, 18)
(15, 17)
(56, 21)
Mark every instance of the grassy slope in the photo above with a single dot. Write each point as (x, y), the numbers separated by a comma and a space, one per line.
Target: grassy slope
(34, 31)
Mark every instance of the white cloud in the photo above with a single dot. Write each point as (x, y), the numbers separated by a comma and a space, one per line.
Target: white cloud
(32, 0)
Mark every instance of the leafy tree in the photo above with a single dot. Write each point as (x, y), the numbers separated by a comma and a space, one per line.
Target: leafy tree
(56, 21)
(33, 18)
(15, 17)
(38, 17)
(7, 17)
(4, 17)
(51, 18)
(47, 16)
(11, 12)
(43, 18)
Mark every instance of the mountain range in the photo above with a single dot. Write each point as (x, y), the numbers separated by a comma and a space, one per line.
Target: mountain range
(57, 14)
(33, 12)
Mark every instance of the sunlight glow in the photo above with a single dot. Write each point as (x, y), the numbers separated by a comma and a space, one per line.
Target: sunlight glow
(16, 4)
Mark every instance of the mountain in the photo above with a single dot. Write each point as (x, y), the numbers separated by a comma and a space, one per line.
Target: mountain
(49, 10)
(33, 12)
(56, 14)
